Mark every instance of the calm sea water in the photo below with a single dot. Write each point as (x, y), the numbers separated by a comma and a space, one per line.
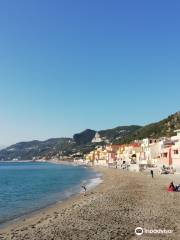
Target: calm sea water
(26, 187)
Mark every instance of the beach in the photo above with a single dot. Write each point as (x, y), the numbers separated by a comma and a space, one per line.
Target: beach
(112, 210)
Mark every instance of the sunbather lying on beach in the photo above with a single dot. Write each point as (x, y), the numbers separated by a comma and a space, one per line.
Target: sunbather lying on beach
(178, 188)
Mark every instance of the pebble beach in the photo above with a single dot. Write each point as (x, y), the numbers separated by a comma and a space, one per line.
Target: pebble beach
(113, 210)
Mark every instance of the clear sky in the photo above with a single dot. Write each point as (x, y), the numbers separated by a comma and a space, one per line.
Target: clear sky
(68, 65)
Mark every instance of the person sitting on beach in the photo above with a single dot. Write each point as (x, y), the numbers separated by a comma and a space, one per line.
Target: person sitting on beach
(178, 188)
(85, 189)
(171, 187)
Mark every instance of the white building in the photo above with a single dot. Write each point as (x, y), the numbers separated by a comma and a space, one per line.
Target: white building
(97, 138)
(176, 138)
(176, 150)
(151, 149)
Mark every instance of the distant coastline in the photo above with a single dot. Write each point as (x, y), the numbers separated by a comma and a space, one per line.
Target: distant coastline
(16, 161)
(38, 161)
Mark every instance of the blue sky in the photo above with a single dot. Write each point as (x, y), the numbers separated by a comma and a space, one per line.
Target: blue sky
(70, 65)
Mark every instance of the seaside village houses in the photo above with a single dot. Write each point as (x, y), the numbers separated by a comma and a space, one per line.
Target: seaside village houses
(163, 152)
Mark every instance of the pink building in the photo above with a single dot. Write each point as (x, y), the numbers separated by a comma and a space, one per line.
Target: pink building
(166, 156)
(170, 153)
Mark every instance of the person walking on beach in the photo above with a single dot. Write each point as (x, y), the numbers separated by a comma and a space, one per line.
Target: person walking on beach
(152, 173)
(85, 189)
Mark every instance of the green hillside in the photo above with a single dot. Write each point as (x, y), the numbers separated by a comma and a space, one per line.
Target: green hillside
(159, 129)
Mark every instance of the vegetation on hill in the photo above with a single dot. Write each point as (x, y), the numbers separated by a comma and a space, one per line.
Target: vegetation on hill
(165, 127)
(115, 134)
(84, 137)
(38, 149)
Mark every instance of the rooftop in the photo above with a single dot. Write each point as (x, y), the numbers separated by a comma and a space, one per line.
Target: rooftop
(178, 130)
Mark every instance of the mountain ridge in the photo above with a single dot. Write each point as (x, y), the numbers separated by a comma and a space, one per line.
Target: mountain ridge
(81, 143)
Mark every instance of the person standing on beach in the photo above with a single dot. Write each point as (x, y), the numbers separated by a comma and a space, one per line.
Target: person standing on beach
(152, 173)
(85, 189)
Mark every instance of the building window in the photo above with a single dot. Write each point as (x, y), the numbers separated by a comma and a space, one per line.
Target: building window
(165, 155)
(176, 151)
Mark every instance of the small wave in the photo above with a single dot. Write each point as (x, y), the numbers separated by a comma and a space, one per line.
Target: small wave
(69, 193)
(92, 183)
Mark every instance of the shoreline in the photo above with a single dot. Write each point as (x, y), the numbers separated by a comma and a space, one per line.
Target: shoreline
(111, 210)
(91, 183)
(36, 215)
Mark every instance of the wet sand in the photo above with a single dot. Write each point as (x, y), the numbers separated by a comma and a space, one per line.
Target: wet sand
(122, 202)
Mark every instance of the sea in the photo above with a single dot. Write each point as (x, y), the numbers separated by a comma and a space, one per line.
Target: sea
(29, 186)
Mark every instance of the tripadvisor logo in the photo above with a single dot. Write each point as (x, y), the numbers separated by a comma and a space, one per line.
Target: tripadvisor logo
(139, 231)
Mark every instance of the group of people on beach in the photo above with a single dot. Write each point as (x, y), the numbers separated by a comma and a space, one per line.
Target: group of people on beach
(171, 187)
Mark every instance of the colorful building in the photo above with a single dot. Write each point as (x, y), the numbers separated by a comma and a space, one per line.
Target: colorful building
(159, 152)
(170, 152)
